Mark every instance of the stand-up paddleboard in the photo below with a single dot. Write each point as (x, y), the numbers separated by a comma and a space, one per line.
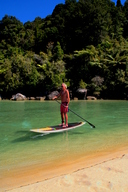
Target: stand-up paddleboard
(57, 128)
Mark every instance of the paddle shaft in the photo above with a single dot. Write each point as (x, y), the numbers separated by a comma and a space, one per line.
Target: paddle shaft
(79, 116)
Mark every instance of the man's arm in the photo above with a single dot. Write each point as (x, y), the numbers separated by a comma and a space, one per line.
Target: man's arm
(55, 97)
(68, 97)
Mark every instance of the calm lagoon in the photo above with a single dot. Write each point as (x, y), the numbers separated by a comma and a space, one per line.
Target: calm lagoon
(20, 148)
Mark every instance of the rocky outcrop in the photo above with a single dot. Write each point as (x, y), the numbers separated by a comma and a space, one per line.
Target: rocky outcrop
(51, 95)
(18, 97)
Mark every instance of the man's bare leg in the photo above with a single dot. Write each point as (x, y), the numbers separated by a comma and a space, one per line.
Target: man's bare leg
(66, 119)
(62, 118)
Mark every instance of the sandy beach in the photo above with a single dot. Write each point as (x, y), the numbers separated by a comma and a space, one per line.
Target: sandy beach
(101, 174)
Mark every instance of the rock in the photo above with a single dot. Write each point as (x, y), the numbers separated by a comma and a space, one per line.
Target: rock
(31, 98)
(75, 98)
(40, 98)
(51, 95)
(18, 97)
(91, 98)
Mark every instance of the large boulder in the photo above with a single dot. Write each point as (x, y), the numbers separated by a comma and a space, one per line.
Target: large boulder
(51, 95)
(18, 97)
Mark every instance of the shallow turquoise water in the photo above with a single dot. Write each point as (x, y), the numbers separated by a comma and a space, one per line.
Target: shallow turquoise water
(19, 147)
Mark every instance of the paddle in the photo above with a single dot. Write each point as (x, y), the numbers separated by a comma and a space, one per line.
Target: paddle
(78, 115)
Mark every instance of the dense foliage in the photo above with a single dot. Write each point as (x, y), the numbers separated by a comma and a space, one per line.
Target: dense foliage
(83, 43)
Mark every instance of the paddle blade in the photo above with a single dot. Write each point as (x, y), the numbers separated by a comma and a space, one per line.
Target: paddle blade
(92, 126)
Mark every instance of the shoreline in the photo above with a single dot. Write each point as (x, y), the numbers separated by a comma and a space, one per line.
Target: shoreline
(29, 177)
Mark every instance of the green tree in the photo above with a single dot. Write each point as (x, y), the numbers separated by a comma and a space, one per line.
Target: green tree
(52, 67)
(58, 52)
(18, 73)
(82, 84)
(114, 58)
(125, 10)
(29, 37)
(11, 30)
(118, 4)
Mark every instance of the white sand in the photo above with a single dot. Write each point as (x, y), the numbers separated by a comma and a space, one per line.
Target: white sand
(109, 175)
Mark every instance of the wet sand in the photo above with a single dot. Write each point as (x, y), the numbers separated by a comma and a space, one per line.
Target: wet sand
(106, 171)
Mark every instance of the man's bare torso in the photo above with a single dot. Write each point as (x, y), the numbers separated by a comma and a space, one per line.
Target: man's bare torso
(64, 96)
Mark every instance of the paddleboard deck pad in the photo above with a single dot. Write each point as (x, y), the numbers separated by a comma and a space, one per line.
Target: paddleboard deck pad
(57, 128)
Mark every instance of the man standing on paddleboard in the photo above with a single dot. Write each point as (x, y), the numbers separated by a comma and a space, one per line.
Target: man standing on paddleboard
(65, 99)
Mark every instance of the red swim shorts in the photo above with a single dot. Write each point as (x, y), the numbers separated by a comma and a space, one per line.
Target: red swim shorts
(63, 107)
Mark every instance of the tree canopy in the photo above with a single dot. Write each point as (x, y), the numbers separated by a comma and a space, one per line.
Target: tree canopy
(81, 42)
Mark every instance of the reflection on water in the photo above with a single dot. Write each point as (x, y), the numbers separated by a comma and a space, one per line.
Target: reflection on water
(20, 147)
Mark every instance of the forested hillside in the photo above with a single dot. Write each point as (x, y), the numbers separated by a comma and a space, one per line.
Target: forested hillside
(83, 43)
